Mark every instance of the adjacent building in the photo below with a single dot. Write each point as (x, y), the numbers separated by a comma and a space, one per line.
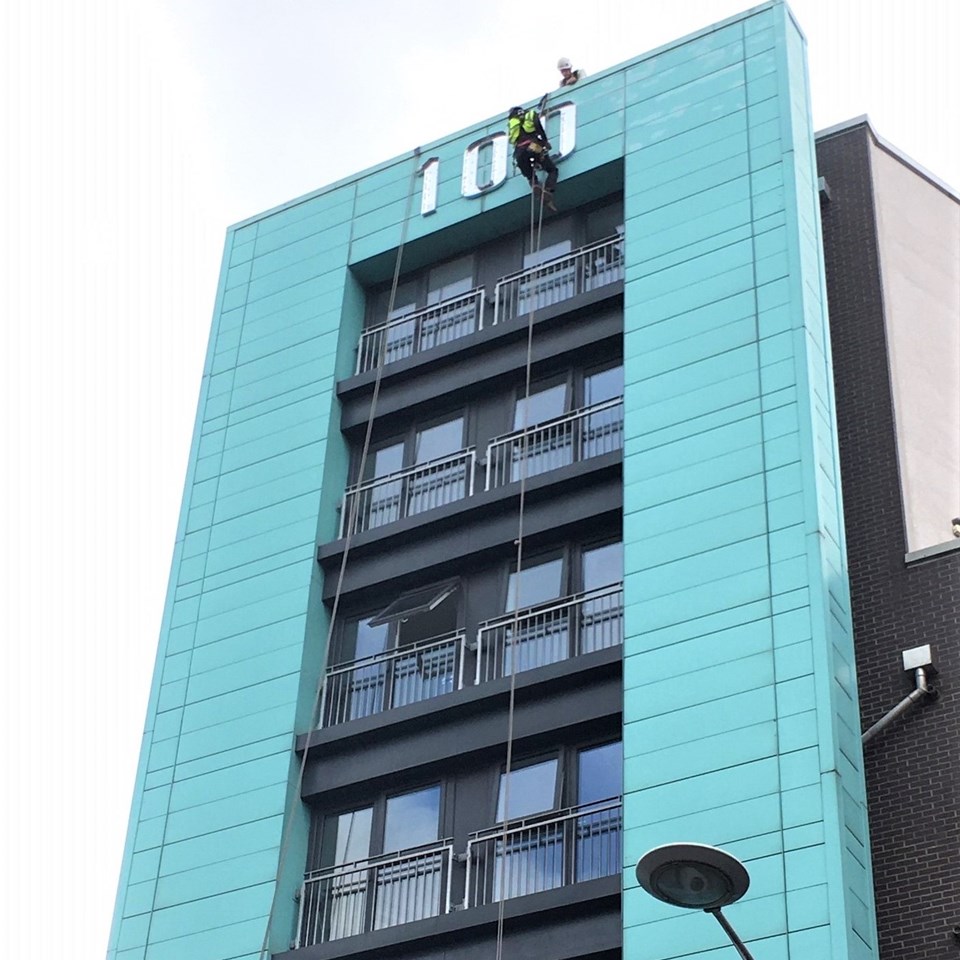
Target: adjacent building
(514, 545)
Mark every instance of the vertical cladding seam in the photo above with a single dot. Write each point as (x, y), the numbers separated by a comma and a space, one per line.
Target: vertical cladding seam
(166, 815)
(763, 458)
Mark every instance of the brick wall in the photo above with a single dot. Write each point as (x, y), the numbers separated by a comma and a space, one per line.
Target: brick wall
(913, 769)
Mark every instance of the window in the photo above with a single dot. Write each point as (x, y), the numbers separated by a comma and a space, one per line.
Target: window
(362, 881)
(532, 789)
(529, 860)
(412, 819)
(598, 824)
(547, 448)
(567, 604)
(605, 221)
(420, 483)
(554, 440)
(538, 582)
(602, 432)
(409, 652)
(557, 829)
(539, 638)
(600, 619)
(360, 692)
(602, 565)
(384, 500)
(413, 602)
(438, 441)
(427, 328)
(544, 403)
(450, 279)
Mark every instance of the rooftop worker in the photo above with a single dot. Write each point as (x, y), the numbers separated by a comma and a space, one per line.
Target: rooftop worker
(568, 74)
(531, 150)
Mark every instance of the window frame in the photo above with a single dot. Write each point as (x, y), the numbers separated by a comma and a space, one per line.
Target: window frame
(320, 817)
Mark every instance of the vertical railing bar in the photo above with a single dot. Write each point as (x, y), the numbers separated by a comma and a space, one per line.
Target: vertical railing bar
(449, 869)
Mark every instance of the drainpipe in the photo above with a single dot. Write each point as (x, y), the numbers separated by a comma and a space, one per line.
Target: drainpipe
(919, 661)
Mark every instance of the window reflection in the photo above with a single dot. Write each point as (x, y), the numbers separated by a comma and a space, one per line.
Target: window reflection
(532, 790)
(530, 860)
(599, 778)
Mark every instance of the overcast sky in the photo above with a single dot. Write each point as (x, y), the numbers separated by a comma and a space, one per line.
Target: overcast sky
(134, 132)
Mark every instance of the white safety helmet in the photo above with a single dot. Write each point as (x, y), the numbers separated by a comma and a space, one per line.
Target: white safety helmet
(564, 64)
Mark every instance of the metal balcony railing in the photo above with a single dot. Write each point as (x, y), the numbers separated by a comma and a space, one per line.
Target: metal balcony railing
(408, 492)
(555, 443)
(544, 852)
(550, 632)
(419, 671)
(365, 895)
(416, 332)
(557, 280)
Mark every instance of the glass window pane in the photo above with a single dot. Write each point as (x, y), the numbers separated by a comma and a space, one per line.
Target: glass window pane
(371, 640)
(598, 826)
(532, 790)
(450, 280)
(603, 385)
(384, 461)
(405, 301)
(554, 241)
(397, 312)
(538, 583)
(602, 565)
(439, 441)
(547, 253)
(544, 405)
(412, 820)
(416, 601)
(359, 692)
(600, 773)
(605, 222)
(346, 837)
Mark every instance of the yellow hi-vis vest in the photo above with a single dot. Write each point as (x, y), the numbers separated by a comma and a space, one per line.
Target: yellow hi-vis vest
(526, 125)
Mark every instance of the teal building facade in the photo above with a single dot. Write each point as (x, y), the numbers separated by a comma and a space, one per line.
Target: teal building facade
(736, 689)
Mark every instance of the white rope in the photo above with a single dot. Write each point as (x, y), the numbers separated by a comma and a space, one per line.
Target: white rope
(535, 249)
(354, 509)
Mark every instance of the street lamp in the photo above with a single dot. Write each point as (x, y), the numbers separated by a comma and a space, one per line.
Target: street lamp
(698, 877)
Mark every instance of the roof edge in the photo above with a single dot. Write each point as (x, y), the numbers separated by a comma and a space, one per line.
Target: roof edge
(864, 121)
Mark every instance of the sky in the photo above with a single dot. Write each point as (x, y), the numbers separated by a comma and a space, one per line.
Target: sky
(132, 133)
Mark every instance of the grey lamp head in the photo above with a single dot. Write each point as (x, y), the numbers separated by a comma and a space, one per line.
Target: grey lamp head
(692, 875)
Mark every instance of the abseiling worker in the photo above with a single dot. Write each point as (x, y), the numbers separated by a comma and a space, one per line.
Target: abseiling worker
(531, 149)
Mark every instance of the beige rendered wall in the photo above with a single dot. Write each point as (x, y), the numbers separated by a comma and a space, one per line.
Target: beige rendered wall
(919, 248)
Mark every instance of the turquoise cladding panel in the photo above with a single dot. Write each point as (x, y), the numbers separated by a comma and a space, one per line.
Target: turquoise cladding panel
(735, 577)
(243, 635)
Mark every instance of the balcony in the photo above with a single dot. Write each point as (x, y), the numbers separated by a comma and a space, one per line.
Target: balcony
(420, 671)
(575, 436)
(515, 642)
(549, 633)
(557, 280)
(407, 492)
(544, 852)
(373, 894)
(420, 331)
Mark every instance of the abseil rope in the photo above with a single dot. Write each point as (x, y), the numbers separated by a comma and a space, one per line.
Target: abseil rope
(351, 524)
(535, 249)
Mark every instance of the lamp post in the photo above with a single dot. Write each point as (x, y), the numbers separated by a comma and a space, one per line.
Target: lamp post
(698, 877)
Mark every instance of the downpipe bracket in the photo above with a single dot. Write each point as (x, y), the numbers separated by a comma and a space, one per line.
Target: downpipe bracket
(919, 662)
